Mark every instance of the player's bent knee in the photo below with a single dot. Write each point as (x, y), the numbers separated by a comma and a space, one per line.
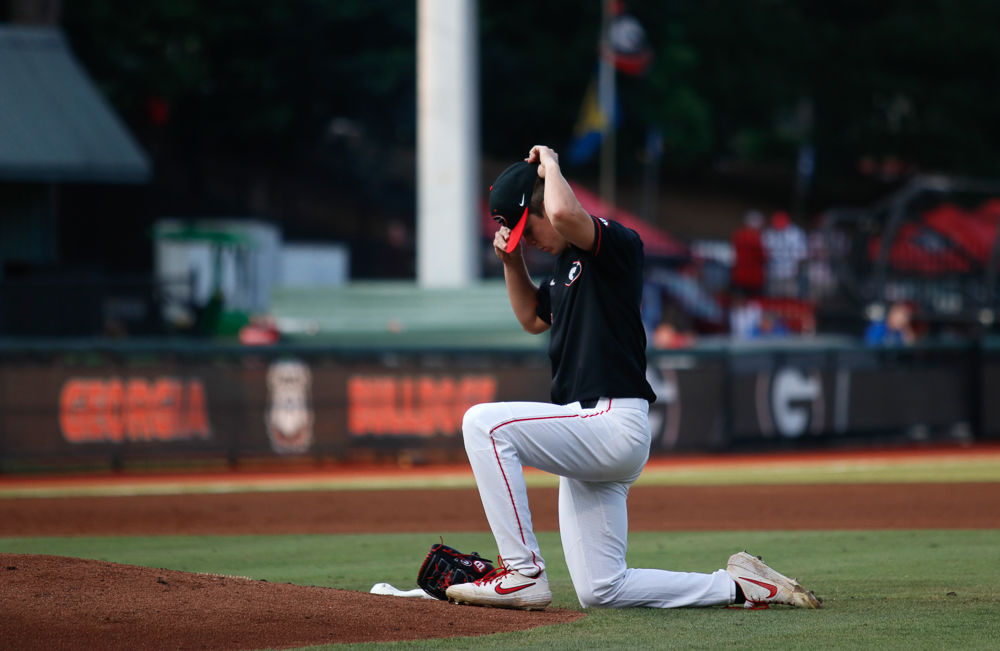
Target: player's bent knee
(598, 596)
(475, 423)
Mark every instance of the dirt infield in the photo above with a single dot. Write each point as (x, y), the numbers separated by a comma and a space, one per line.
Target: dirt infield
(55, 603)
(651, 508)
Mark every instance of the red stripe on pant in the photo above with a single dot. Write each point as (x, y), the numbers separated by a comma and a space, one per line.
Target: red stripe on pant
(510, 493)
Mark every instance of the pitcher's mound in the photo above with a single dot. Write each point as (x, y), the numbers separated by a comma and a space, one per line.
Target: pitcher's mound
(52, 602)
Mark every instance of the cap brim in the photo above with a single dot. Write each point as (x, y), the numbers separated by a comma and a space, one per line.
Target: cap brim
(515, 234)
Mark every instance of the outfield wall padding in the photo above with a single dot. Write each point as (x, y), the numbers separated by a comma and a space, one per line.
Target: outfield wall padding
(152, 403)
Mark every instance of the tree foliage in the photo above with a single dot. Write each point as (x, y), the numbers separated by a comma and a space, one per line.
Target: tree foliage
(913, 80)
(250, 73)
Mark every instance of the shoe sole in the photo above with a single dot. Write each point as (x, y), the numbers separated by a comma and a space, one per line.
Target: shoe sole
(461, 602)
(539, 602)
(749, 564)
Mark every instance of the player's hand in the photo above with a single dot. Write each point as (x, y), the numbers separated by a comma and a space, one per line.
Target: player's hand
(500, 245)
(544, 156)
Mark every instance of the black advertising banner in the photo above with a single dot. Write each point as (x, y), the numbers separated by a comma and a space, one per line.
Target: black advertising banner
(690, 392)
(781, 396)
(117, 408)
(416, 403)
(788, 395)
(124, 407)
(989, 379)
(253, 405)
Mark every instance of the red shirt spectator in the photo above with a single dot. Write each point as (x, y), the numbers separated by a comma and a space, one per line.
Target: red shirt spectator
(748, 267)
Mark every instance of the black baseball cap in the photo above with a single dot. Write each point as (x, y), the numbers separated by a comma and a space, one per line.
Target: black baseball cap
(510, 197)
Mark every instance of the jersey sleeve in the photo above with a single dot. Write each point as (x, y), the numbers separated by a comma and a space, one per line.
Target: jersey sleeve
(543, 306)
(615, 246)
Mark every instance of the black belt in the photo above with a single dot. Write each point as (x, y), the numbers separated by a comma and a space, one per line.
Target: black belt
(589, 403)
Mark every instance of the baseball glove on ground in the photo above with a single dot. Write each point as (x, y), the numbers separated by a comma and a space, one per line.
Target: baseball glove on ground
(445, 566)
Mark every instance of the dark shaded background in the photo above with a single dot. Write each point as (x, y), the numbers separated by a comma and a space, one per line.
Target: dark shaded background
(304, 112)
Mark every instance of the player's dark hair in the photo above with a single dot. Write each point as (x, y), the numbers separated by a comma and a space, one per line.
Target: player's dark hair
(535, 205)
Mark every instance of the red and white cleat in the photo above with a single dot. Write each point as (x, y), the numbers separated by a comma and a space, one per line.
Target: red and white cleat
(762, 585)
(503, 588)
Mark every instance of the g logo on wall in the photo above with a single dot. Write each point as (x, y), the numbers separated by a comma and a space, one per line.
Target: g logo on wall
(289, 415)
(789, 401)
(665, 413)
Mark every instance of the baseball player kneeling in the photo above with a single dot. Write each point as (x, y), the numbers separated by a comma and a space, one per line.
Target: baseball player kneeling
(595, 435)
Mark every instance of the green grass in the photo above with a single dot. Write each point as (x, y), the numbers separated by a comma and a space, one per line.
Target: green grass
(861, 470)
(925, 589)
(943, 468)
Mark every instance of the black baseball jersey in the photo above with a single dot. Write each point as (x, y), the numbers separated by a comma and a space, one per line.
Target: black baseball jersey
(592, 301)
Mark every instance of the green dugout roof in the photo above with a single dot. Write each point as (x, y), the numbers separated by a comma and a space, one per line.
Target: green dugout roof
(54, 124)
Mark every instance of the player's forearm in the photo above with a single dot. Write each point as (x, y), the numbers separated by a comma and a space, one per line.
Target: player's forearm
(562, 207)
(559, 200)
(523, 295)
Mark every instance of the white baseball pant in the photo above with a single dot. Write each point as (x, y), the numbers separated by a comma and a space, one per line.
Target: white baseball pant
(598, 453)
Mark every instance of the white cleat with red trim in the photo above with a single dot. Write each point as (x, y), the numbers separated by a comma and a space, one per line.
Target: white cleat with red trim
(503, 588)
(762, 585)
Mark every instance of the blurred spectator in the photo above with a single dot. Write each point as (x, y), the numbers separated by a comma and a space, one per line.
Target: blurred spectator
(652, 306)
(748, 249)
(673, 332)
(818, 275)
(771, 325)
(745, 316)
(713, 261)
(894, 329)
(261, 331)
(785, 248)
(667, 335)
(666, 289)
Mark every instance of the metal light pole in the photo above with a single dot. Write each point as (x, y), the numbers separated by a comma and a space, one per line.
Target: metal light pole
(447, 142)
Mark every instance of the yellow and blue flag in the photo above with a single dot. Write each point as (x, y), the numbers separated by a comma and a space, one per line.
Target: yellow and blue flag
(589, 127)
